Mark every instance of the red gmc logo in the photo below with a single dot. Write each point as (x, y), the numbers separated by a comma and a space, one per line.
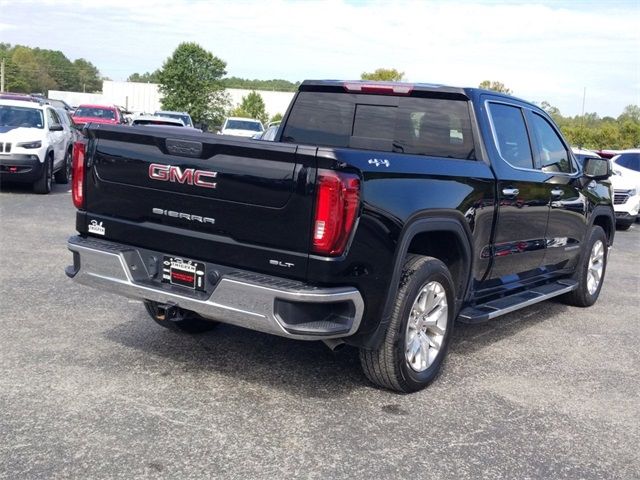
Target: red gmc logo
(190, 176)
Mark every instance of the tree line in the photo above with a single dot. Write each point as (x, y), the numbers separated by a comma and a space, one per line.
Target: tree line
(38, 70)
(276, 85)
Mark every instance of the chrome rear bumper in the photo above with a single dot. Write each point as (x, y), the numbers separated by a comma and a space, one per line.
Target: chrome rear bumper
(258, 302)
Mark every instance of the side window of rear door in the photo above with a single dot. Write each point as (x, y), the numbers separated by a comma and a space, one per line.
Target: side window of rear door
(50, 118)
(552, 153)
(55, 119)
(510, 135)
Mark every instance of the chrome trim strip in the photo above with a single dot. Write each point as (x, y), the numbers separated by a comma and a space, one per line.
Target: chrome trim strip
(236, 300)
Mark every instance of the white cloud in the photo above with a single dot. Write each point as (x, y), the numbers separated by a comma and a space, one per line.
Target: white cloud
(541, 51)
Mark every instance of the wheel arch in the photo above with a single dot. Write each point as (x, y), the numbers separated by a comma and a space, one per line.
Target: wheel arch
(443, 235)
(50, 153)
(604, 217)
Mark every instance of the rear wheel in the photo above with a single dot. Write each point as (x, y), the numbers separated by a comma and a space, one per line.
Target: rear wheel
(590, 273)
(43, 184)
(184, 321)
(63, 175)
(418, 335)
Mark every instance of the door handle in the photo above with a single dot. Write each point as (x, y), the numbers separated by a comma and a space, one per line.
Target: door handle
(510, 192)
(557, 193)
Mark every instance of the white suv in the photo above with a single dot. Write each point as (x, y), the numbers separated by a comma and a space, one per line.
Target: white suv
(626, 187)
(33, 144)
(241, 127)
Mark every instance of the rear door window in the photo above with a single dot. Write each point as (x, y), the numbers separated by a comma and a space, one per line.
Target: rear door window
(510, 135)
(52, 117)
(630, 161)
(423, 126)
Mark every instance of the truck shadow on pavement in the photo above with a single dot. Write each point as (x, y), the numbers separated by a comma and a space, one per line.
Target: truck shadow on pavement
(306, 369)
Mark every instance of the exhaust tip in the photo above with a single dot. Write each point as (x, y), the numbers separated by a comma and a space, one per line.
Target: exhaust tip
(334, 344)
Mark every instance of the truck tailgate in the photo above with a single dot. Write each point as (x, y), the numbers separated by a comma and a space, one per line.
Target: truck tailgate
(230, 201)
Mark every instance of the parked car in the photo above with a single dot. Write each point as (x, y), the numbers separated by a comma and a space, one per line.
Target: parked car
(241, 127)
(19, 96)
(183, 116)
(626, 185)
(98, 114)
(59, 104)
(73, 134)
(608, 153)
(33, 144)
(157, 120)
(581, 154)
(269, 134)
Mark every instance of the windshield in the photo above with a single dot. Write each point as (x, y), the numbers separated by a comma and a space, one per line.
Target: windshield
(95, 112)
(244, 125)
(178, 116)
(20, 117)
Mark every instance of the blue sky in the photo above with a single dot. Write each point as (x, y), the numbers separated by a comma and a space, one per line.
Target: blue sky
(542, 50)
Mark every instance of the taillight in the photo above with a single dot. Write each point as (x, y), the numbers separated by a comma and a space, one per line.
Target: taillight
(337, 202)
(77, 182)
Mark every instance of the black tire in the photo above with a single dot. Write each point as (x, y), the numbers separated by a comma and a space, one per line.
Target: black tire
(388, 366)
(43, 184)
(62, 176)
(187, 322)
(581, 297)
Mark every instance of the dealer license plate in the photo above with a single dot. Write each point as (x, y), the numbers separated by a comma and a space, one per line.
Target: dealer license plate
(183, 272)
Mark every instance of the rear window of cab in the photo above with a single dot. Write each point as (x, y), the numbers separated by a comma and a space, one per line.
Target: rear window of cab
(420, 126)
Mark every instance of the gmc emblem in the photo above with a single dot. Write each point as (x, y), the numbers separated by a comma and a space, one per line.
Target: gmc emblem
(190, 176)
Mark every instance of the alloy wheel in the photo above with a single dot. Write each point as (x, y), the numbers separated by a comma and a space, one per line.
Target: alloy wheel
(596, 265)
(426, 327)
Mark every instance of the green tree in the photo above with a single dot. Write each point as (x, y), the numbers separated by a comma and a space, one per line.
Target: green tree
(495, 86)
(630, 112)
(190, 80)
(277, 84)
(88, 76)
(59, 68)
(383, 74)
(252, 106)
(14, 79)
(31, 71)
(276, 118)
(40, 70)
(146, 77)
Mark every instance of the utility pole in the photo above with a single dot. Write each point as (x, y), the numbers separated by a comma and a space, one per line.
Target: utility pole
(2, 76)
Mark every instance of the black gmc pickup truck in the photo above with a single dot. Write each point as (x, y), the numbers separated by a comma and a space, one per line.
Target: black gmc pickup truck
(382, 213)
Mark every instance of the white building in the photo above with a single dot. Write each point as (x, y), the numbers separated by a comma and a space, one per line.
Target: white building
(145, 97)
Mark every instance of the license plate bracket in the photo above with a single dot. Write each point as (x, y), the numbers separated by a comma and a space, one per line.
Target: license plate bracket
(183, 272)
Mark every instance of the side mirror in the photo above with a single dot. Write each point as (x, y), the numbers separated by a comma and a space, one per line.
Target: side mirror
(597, 168)
(56, 128)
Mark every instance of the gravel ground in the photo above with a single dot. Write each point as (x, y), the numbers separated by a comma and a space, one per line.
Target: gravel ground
(91, 388)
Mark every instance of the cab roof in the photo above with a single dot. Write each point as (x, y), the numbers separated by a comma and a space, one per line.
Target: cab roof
(23, 103)
(400, 88)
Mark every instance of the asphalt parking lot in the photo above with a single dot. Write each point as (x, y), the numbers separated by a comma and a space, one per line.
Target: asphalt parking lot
(90, 387)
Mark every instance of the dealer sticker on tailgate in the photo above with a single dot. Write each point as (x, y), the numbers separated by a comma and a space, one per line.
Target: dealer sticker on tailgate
(186, 273)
